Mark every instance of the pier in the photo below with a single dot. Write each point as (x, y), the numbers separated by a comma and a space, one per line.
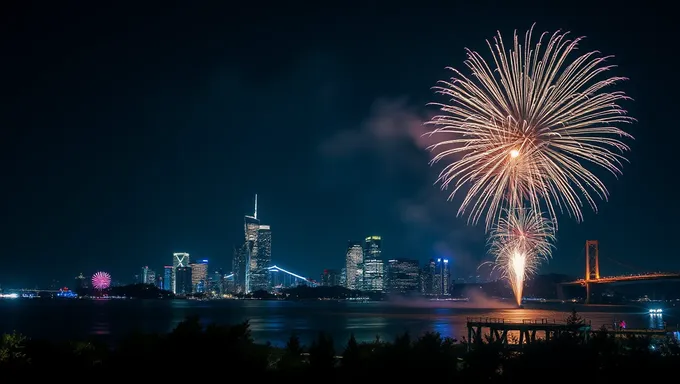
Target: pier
(495, 331)
(488, 330)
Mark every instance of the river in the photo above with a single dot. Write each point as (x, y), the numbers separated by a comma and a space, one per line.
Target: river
(275, 321)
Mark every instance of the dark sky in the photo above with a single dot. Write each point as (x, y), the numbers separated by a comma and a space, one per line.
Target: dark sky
(132, 132)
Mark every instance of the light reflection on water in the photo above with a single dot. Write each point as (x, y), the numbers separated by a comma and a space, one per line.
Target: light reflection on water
(275, 321)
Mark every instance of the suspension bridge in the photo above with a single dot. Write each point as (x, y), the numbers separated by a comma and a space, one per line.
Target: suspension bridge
(592, 272)
(282, 278)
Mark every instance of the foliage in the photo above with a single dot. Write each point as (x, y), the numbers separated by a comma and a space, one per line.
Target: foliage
(232, 349)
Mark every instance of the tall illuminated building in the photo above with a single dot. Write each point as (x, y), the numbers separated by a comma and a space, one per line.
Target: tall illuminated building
(251, 225)
(239, 266)
(343, 277)
(261, 260)
(374, 275)
(403, 276)
(354, 258)
(256, 253)
(183, 280)
(150, 277)
(167, 278)
(442, 275)
(143, 277)
(179, 259)
(373, 266)
(330, 278)
(199, 276)
(427, 283)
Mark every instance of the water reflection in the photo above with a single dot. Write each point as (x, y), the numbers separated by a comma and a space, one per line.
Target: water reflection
(444, 327)
(101, 329)
(271, 323)
(366, 323)
(275, 321)
(101, 325)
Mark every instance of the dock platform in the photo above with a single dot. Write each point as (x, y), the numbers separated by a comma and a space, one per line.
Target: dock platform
(487, 330)
(496, 330)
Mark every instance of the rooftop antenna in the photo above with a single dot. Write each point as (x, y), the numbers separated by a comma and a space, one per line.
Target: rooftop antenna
(255, 207)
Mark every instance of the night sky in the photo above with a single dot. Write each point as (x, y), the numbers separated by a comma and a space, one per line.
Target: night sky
(129, 133)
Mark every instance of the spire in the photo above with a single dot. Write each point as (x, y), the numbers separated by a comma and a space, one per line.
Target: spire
(255, 216)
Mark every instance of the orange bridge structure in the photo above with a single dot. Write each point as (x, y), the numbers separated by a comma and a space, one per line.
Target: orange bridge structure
(592, 275)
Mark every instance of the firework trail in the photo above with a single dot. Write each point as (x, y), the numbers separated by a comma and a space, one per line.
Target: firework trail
(520, 241)
(524, 126)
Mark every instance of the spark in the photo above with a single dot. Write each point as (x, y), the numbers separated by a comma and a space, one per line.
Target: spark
(520, 241)
(544, 107)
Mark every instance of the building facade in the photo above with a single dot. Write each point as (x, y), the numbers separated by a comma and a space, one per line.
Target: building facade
(354, 259)
(373, 265)
(331, 278)
(167, 277)
(427, 278)
(261, 260)
(183, 281)
(179, 259)
(199, 276)
(403, 276)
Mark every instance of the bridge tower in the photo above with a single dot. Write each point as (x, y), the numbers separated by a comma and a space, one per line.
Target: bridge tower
(592, 260)
(592, 265)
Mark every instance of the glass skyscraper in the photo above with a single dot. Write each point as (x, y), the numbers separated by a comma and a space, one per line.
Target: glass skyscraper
(354, 258)
(403, 276)
(373, 266)
(179, 259)
(261, 260)
(167, 278)
(199, 276)
(183, 280)
(252, 261)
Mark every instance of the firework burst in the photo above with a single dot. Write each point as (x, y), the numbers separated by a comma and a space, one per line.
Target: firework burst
(101, 280)
(520, 241)
(524, 126)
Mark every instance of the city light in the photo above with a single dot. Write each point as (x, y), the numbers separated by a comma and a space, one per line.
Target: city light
(275, 268)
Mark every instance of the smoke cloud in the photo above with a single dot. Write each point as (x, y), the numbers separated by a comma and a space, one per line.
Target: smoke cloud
(476, 299)
(392, 145)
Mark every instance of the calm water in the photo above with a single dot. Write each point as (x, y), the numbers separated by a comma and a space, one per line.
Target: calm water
(275, 320)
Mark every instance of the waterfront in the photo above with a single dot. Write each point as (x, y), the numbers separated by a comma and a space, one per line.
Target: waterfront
(274, 321)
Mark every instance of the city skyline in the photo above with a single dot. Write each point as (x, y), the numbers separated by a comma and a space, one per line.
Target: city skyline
(153, 137)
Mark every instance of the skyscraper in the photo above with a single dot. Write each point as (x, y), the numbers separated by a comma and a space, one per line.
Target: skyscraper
(150, 277)
(179, 259)
(441, 277)
(183, 280)
(330, 278)
(239, 267)
(445, 273)
(144, 276)
(167, 277)
(373, 266)
(256, 255)
(199, 276)
(427, 278)
(353, 260)
(251, 225)
(261, 260)
(403, 276)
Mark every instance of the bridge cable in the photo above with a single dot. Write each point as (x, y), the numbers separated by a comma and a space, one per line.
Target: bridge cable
(636, 270)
